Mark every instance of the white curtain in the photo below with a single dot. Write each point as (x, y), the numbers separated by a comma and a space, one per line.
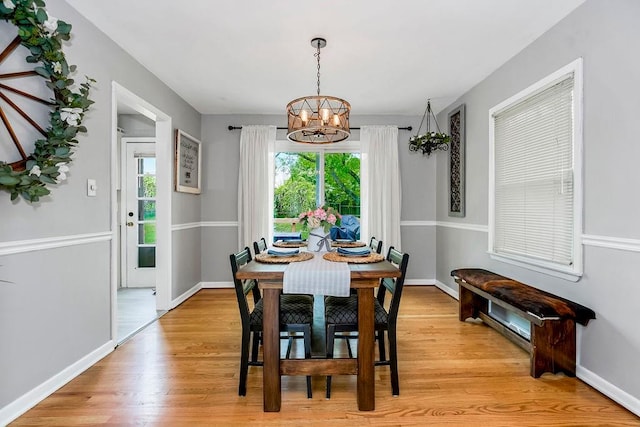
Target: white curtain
(381, 173)
(255, 182)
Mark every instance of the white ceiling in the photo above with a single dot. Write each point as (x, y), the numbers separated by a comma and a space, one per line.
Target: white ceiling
(384, 57)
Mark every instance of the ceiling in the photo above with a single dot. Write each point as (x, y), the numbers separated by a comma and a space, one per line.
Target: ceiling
(254, 56)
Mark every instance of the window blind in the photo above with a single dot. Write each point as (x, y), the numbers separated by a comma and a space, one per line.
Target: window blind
(534, 179)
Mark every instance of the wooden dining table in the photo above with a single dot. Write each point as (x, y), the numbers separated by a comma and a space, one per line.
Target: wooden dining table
(364, 278)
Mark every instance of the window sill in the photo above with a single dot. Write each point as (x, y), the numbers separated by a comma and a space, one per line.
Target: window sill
(539, 266)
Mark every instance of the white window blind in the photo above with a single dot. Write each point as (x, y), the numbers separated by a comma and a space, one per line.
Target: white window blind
(534, 176)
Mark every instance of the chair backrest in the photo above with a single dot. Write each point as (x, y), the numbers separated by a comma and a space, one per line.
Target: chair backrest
(243, 287)
(375, 245)
(394, 286)
(259, 246)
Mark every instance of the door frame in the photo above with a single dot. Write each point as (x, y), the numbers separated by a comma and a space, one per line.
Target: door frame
(164, 157)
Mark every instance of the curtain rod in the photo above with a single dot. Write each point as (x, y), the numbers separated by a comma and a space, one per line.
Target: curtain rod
(409, 128)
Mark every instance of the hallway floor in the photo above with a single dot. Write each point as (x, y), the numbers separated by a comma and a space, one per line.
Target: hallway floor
(136, 309)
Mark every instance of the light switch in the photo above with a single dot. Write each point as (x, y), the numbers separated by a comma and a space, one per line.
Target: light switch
(92, 187)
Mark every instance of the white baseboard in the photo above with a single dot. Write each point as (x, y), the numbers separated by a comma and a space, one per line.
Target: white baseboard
(420, 282)
(30, 399)
(447, 289)
(622, 397)
(217, 285)
(185, 296)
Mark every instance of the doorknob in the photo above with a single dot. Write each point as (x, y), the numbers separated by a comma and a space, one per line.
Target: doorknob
(129, 224)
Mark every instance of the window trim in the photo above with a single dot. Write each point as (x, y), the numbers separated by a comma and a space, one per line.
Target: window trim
(575, 271)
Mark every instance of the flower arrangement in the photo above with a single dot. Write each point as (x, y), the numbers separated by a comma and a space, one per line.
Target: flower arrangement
(320, 217)
(43, 36)
(429, 142)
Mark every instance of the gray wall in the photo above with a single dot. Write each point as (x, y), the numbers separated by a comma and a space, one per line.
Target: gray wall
(220, 200)
(136, 125)
(601, 32)
(57, 308)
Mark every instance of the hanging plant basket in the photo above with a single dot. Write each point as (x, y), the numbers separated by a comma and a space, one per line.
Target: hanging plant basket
(429, 141)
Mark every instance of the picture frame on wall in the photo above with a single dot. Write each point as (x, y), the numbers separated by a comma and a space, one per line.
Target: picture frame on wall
(188, 163)
(456, 181)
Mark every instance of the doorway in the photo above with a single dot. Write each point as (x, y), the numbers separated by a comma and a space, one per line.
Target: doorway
(137, 289)
(141, 217)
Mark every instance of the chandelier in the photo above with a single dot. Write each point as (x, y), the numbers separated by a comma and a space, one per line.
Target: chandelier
(318, 119)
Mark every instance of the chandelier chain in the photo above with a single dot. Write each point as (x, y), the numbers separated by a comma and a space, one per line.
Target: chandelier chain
(317, 55)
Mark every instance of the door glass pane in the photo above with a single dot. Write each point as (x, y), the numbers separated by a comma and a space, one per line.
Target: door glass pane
(147, 186)
(146, 210)
(342, 182)
(146, 166)
(295, 188)
(147, 233)
(146, 257)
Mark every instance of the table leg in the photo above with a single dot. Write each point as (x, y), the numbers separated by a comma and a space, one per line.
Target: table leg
(366, 353)
(271, 345)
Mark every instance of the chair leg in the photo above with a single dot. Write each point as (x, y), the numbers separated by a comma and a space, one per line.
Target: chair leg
(331, 332)
(255, 346)
(349, 352)
(244, 362)
(381, 346)
(289, 344)
(393, 360)
(307, 355)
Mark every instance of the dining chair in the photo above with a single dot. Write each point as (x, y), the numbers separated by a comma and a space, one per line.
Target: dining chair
(375, 245)
(296, 316)
(341, 315)
(259, 246)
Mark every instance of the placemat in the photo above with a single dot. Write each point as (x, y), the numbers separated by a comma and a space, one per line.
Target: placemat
(335, 244)
(274, 259)
(336, 257)
(285, 244)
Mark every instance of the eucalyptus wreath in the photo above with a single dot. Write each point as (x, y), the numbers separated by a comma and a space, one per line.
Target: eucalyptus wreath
(43, 35)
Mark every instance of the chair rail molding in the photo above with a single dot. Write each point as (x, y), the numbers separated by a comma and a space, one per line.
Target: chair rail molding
(464, 226)
(632, 245)
(219, 223)
(31, 245)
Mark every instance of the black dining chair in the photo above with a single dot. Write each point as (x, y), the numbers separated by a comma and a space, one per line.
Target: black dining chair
(296, 316)
(375, 245)
(341, 316)
(259, 246)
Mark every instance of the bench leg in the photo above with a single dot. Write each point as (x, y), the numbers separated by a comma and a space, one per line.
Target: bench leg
(470, 304)
(553, 347)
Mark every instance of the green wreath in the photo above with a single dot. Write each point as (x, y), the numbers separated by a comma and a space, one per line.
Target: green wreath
(43, 36)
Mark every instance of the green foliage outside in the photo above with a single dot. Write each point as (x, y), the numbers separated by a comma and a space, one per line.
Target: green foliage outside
(298, 192)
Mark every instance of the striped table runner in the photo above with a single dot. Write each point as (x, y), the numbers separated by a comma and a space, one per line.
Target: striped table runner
(317, 277)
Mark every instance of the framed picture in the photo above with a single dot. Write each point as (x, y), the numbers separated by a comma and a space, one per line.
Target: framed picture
(188, 163)
(456, 161)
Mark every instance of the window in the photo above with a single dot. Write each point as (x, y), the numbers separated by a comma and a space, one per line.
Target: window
(535, 190)
(308, 176)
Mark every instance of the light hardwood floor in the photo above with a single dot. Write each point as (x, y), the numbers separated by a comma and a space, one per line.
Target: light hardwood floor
(183, 370)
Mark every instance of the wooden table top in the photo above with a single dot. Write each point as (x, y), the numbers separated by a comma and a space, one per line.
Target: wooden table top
(275, 272)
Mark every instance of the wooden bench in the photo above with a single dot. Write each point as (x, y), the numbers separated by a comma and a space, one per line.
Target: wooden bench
(552, 343)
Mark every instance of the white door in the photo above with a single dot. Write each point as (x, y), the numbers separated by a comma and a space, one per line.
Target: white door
(139, 249)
